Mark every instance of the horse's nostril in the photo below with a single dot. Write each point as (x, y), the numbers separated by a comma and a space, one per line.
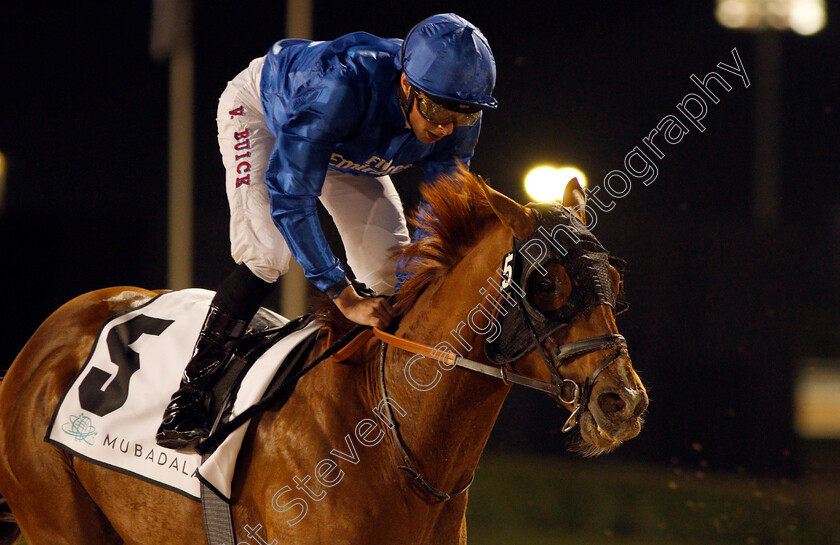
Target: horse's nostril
(611, 404)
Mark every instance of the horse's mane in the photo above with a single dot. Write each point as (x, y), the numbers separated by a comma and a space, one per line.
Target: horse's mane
(457, 214)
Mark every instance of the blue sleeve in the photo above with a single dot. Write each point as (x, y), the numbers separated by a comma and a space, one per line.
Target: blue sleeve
(307, 126)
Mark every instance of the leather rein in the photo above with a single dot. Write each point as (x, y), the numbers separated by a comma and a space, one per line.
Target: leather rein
(558, 388)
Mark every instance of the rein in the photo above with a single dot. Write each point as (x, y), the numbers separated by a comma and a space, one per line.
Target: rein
(578, 399)
(559, 386)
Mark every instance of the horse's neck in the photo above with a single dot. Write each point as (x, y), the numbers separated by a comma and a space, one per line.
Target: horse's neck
(447, 426)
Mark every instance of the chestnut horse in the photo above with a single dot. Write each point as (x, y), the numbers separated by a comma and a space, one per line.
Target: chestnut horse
(325, 467)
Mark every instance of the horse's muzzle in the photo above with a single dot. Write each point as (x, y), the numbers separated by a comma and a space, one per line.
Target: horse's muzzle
(615, 408)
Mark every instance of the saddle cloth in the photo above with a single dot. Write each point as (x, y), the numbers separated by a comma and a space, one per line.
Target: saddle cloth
(111, 412)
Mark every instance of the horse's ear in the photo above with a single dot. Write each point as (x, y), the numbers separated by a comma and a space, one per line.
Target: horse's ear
(519, 219)
(575, 198)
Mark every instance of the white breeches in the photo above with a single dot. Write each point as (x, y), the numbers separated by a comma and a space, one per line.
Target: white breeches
(367, 211)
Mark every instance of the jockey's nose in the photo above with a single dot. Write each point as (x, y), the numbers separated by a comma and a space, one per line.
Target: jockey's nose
(445, 130)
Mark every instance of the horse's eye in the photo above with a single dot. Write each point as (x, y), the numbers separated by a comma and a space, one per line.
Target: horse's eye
(544, 286)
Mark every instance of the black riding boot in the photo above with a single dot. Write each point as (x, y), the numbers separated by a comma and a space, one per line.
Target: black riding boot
(185, 419)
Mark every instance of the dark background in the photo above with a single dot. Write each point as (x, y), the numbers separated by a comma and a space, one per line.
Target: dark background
(721, 312)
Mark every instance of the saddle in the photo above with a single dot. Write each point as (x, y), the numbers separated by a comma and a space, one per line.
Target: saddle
(264, 330)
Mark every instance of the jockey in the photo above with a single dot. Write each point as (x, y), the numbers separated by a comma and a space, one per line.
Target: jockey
(331, 121)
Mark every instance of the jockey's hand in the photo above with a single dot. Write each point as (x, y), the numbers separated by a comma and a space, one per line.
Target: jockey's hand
(372, 311)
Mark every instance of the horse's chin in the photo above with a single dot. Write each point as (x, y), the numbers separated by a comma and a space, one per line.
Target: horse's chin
(593, 440)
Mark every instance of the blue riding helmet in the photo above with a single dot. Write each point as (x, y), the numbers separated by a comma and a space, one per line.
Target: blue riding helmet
(447, 57)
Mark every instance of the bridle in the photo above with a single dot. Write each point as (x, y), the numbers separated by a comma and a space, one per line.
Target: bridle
(578, 397)
(564, 390)
(556, 356)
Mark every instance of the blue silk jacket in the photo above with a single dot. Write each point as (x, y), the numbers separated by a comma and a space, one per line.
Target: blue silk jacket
(334, 105)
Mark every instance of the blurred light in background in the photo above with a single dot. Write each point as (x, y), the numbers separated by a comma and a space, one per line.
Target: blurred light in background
(816, 398)
(547, 183)
(807, 17)
(2, 180)
(766, 18)
(804, 17)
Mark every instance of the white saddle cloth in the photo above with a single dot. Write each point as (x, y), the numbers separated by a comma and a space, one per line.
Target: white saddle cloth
(113, 408)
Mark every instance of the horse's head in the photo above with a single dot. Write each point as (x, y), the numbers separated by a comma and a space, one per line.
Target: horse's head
(557, 314)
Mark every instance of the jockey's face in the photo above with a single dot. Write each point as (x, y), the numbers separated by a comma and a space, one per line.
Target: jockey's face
(426, 132)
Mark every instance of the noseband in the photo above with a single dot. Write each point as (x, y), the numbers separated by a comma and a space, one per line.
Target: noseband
(565, 390)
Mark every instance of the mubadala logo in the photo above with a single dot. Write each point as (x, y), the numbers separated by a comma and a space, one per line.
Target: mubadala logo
(80, 427)
(163, 457)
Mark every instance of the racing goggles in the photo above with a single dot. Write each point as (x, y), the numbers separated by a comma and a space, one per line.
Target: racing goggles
(438, 114)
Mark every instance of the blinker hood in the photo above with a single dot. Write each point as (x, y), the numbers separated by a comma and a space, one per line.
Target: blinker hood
(556, 239)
